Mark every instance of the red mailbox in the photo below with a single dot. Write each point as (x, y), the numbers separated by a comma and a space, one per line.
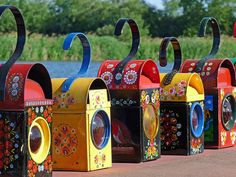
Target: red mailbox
(134, 88)
(219, 82)
(25, 113)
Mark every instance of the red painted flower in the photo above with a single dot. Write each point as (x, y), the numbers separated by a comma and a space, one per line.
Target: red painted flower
(65, 150)
(30, 164)
(45, 113)
(172, 91)
(181, 92)
(49, 119)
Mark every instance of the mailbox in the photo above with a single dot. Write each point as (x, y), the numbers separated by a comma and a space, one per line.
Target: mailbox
(25, 113)
(81, 128)
(181, 107)
(134, 89)
(218, 76)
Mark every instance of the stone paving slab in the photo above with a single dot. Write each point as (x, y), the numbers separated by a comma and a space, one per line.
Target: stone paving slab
(211, 163)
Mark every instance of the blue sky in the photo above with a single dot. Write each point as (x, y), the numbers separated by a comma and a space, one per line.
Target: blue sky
(156, 3)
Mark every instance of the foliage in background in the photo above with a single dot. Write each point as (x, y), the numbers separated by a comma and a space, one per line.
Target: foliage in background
(179, 17)
(39, 48)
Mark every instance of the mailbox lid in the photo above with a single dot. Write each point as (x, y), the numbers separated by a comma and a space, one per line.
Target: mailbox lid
(216, 73)
(78, 98)
(184, 87)
(17, 85)
(137, 74)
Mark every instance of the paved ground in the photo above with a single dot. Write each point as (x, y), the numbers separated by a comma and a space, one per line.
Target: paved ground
(212, 163)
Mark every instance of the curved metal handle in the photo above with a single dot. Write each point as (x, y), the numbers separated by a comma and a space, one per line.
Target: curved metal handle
(86, 57)
(216, 39)
(134, 48)
(177, 57)
(21, 37)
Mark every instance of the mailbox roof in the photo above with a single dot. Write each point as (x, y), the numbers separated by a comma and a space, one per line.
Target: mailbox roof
(137, 74)
(216, 73)
(76, 99)
(15, 87)
(184, 87)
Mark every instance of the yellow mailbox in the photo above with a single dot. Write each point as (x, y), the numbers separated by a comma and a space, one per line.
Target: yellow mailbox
(82, 128)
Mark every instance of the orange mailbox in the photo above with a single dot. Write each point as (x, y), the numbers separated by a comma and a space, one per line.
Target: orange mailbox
(25, 113)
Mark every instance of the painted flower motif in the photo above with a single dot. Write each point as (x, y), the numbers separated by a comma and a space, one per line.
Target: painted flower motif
(190, 69)
(223, 137)
(181, 92)
(233, 136)
(155, 96)
(133, 65)
(107, 77)
(161, 91)
(109, 66)
(147, 99)
(151, 151)
(65, 140)
(15, 85)
(130, 77)
(172, 91)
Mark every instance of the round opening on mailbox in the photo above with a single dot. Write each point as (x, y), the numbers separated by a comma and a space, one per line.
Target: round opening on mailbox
(150, 121)
(39, 140)
(196, 120)
(228, 112)
(100, 129)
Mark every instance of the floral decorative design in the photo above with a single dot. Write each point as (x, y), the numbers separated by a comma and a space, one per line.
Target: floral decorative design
(123, 102)
(100, 159)
(151, 150)
(15, 86)
(223, 136)
(46, 166)
(170, 129)
(233, 136)
(155, 96)
(34, 168)
(107, 77)
(196, 146)
(130, 77)
(177, 91)
(64, 100)
(144, 95)
(9, 143)
(65, 140)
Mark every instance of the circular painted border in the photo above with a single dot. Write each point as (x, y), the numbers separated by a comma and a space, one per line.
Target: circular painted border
(107, 126)
(232, 103)
(200, 114)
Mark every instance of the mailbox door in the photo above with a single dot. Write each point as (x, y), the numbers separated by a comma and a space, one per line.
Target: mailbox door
(99, 137)
(38, 142)
(151, 124)
(196, 121)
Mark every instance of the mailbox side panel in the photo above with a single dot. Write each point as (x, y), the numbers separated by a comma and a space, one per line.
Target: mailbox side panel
(70, 149)
(174, 128)
(12, 137)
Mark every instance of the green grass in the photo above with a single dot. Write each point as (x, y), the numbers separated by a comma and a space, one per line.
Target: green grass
(41, 48)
